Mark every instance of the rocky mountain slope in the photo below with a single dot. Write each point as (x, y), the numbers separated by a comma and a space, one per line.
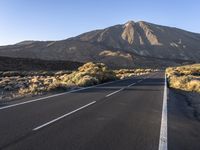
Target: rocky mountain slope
(128, 45)
(28, 64)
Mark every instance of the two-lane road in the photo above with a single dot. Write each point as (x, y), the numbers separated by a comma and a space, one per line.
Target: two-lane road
(119, 115)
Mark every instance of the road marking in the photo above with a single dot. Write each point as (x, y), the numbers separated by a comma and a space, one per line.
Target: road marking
(124, 88)
(109, 87)
(131, 84)
(55, 95)
(138, 81)
(114, 92)
(61, 117)
(141, 80)
(163, 128)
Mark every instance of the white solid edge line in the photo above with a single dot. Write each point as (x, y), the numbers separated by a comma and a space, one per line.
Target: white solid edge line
(163, 128)
(43, 98)
(63, 116)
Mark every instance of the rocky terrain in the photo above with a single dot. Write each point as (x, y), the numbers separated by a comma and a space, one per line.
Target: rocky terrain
(133, 44)
(17, 84)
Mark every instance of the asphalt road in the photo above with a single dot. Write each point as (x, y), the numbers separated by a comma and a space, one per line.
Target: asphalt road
(183, 126)
(122, 115)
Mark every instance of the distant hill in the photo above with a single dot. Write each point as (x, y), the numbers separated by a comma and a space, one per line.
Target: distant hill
(15, 64)
(133, 44)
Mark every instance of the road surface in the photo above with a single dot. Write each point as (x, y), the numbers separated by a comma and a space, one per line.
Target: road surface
(121, 115)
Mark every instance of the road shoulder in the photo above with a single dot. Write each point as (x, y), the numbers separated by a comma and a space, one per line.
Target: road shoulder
(183, 124)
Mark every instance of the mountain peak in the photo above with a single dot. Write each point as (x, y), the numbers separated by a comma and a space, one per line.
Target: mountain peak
(141, 40)
(128, 23)
(142, 22)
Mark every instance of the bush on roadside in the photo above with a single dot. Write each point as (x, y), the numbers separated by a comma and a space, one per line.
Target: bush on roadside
(33, 83)
(127, 73)
(186, 78)
(86, 75)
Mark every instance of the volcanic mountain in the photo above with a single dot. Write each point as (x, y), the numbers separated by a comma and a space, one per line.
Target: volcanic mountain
(133, 44)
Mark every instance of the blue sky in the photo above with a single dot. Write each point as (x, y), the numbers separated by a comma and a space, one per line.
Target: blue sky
(59, 19)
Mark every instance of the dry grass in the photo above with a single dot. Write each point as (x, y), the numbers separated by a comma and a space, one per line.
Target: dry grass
(127, 73)
(86, 75)
(186, 78)
(17, 84)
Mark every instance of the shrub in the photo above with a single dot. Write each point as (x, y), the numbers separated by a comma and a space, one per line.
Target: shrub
(38, 82)
(184, 77)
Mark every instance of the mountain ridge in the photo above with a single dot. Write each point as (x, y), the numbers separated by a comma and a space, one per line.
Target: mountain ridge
(118, 45)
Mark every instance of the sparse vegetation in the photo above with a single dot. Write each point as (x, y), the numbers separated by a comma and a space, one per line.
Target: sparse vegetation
(21, 83)
(116, 54)
(127, 73)
(186, 78)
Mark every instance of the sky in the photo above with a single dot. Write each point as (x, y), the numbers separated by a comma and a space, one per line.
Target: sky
(60, 19)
